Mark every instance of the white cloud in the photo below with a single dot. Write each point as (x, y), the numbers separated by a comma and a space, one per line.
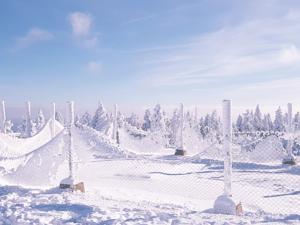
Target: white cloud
(81, 23)
(94, 67)
(33, 36)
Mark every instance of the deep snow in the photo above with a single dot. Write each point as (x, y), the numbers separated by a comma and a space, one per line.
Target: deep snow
(123, 187)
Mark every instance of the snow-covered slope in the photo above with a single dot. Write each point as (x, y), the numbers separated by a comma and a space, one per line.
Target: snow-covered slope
(14, 147)
(47, 165)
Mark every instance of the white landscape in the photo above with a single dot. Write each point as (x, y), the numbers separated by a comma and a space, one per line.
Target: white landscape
(135, 178)
(149, 112)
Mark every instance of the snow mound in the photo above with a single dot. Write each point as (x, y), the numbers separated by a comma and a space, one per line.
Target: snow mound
(43, 167)
(268, 150)
(97, 145)
(47, 165)
(14, 147)
(140, 143)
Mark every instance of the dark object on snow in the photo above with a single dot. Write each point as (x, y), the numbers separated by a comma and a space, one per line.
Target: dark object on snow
(289, 162)
(76, 187)
(180, 152)
(65, 186)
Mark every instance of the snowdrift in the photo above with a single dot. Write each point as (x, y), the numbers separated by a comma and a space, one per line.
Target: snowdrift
(47, 165)
(268, 150)
(14, 147)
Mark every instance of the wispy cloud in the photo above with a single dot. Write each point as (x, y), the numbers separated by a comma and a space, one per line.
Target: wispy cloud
(81, 24)
(33, 36)
(94, 67)
(254, 47)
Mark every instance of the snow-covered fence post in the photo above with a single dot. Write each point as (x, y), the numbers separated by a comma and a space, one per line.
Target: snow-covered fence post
(290, 159)
(115, 117)
(180, 149)
(53, 120)
(224, 203)
(3, 118)
(28, 127)
(69, 124)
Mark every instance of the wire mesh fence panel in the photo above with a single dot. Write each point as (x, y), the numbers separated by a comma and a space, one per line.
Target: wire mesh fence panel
(253, 169)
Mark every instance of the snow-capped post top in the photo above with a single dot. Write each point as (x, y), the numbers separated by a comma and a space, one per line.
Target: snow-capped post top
(227, 117)
(70, 114)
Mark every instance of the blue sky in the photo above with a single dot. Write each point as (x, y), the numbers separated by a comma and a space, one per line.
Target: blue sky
(138, 53)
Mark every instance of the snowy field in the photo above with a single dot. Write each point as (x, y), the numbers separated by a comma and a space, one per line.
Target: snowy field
(132, 187)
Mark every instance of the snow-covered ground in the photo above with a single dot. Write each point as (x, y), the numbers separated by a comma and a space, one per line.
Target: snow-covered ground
(123, 187)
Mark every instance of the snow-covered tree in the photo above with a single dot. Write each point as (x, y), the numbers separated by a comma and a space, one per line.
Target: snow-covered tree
(257, 120)
(248, 121)
(100, 120)
(86, 119)
(157, 120)
(8, 126)
(30, 128)
(239, 124)
(147, 120)
(59, 117)
(40, 121)
(215, 122)
(279, 121)
(267, 123)
(134, 120)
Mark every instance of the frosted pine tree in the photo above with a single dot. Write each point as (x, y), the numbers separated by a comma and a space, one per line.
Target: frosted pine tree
(86, 119)
(257, 120)
(134, 120)
(158, 126)
(8, 126)
(267, 123)
(157, 121)
(147, 121)
(59, 117)
(30, 128)
(40, 121)
(100, 121)
(239, 124)
(278, 122)
(248, 121)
